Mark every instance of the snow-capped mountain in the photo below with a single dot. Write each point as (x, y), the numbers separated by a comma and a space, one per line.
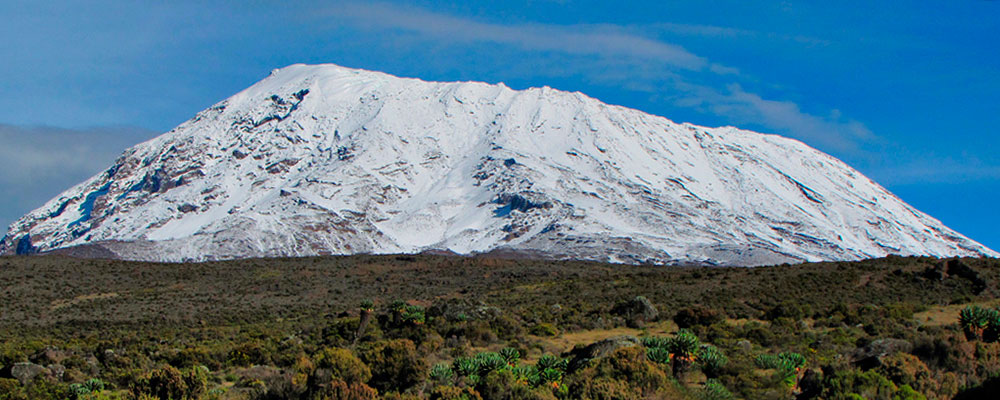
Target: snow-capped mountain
(329, 160)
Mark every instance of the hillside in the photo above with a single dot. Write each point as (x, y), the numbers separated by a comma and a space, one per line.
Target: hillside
(317, 160)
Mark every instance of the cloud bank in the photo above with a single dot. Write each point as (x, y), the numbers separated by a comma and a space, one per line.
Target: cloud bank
(38, 163)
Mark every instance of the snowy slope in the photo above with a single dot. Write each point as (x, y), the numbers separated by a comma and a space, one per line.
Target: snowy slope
(329, 160)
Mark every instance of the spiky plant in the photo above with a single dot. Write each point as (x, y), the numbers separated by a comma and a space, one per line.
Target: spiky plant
(78, 391)
(658, 355)
(441, 373)
(683, 347)
(992, 331)
(510, 355)
(397, 305)
(525, 374)
(414, 315)
(549, 361)
(550, 375)
(367, 305)
(974, 320)
(94, 384)
(652, 342)
(786, 365)
(464, 366)
(714, 390)
(711, 360)
(489, 362)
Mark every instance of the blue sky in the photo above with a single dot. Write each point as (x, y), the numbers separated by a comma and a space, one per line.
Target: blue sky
(906, 92)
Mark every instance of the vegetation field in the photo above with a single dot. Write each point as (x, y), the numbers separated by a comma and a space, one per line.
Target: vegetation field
(441, 327)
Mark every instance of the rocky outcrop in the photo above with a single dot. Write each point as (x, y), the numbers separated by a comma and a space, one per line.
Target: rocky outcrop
(636, 312)
(871, 356)
(581, 357)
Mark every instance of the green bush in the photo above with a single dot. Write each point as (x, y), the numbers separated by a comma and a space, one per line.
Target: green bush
(454, 393)
(544, 329)
(165, 382)
(343, 365)
(502, 384)
(395, 365)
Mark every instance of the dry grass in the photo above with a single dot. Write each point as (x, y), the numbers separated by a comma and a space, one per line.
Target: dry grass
(947, 315)
(57, 304)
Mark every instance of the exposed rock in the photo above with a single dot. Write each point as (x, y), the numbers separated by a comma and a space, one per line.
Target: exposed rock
(637, 311)
(50, 355)
(56, 371)
(580, 357)
(25, 372)
(871, 355)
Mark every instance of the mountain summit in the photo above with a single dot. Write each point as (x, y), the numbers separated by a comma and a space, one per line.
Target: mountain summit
(329, 160)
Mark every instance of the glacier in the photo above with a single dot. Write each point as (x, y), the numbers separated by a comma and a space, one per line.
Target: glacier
(322, 159)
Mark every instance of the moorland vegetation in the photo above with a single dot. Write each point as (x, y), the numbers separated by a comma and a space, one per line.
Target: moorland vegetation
(438, 327)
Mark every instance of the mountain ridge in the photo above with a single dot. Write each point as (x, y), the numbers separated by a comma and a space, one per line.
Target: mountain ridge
(331, 160)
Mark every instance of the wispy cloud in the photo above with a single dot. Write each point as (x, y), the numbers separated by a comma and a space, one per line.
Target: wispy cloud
(831, 131)
(622, 56)
(600, 40)
(928, 168)
(722, 32)
(37, 163)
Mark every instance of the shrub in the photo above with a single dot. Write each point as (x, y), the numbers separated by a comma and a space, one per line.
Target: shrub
(454, 393)
(694, 316)
(395, 365)
(626, 365)
(338, 389)
(343, 365)
(787, 309)
(502, 384)
(604, 388)
(544, 329)
(196, 381)
(164, 382)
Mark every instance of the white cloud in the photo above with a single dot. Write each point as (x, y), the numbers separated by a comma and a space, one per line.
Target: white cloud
(600, 40)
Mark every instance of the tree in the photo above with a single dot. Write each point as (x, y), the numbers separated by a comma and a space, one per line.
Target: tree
(683, 348)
